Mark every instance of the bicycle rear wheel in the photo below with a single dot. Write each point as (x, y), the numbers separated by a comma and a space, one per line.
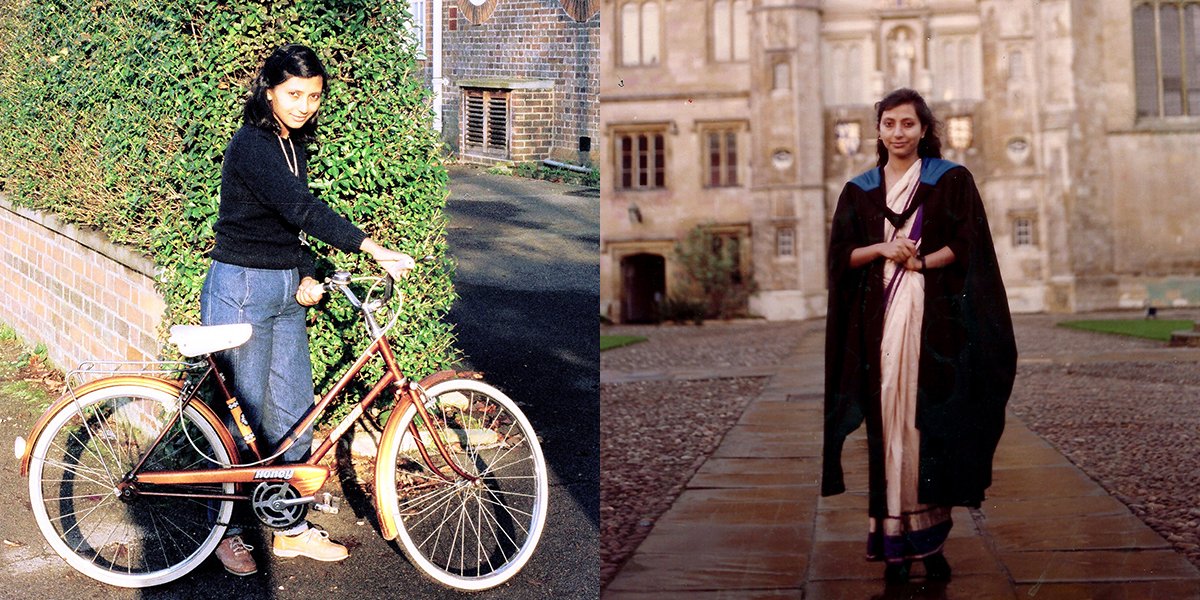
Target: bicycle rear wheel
(469, 535)
(84, 452)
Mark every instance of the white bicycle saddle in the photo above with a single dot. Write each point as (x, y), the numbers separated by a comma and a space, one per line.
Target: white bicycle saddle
(197, 340)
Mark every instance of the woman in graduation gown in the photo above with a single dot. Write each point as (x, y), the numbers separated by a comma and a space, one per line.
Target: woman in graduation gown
(919, 340)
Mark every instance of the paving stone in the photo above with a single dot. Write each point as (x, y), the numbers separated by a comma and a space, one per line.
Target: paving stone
(720, 472)
(1066, 480)
(750, 523)
(1072, 533)
(998, 511)
(847, 560)
(781, 413)
(1025, 456)
(1096, 566)
(851, 525)
(1124, 590)
(967, 587)
(785, 594)
(788, 539)
(765, 441)
(680, 572)
(768, 506)
(849, 500)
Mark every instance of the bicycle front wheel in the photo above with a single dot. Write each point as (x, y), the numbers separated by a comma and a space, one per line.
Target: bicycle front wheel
(467, 533)
(81, 456)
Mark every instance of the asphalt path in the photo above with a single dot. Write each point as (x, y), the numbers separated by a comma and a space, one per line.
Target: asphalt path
(528, 282)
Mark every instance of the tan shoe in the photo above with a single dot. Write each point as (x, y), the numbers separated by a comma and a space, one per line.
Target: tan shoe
(235, 555)
(313, 543)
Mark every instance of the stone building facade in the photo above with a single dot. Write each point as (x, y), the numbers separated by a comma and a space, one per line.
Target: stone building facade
(1077, 118)
(519, 78)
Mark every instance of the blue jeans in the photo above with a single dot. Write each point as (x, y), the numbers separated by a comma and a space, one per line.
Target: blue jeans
(271, 374)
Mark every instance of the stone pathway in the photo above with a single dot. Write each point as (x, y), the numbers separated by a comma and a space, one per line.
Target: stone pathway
(751, 523)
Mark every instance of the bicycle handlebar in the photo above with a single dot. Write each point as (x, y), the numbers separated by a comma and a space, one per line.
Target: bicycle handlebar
(341, 281)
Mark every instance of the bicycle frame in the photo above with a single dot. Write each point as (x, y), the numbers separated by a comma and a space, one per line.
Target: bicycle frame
(307, 477)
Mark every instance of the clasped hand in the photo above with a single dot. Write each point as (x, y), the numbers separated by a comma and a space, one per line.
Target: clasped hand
(899, 250)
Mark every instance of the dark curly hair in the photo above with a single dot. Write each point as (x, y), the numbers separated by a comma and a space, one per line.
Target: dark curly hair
(930, 145)
(287, 61)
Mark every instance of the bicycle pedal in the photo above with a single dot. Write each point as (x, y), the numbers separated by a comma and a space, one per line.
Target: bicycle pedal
(329, 503)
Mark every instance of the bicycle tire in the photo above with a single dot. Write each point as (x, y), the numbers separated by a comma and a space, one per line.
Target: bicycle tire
(441, 522)
(84, 451)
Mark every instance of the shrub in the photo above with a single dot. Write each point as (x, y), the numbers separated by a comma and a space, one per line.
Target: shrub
(116, 114)
(681, 309)
(709, 267)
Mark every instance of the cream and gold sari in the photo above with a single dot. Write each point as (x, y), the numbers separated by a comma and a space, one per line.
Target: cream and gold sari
(911, 530)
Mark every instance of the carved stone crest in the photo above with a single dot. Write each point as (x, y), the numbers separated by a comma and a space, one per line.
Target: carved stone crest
(476, 11)
(581, 10)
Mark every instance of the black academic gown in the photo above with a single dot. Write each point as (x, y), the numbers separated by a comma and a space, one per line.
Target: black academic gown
(968, 355)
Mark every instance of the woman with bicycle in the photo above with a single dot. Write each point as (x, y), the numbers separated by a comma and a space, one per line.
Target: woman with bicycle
(919, 340)
(263, 274)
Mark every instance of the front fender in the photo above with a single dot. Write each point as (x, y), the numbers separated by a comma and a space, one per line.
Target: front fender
(390, 438)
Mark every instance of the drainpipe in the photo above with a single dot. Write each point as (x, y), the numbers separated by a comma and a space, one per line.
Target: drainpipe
(437, 65)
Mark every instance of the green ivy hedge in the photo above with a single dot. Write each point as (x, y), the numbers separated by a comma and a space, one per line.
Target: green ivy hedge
(116, 113)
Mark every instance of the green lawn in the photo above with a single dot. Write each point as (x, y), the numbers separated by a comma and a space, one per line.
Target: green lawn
(1153, 329)
(608, 342)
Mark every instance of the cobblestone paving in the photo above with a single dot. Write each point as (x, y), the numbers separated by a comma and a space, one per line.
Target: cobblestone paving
(655, 434)
(1134, 428)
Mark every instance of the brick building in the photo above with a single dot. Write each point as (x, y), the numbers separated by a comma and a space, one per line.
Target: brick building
(1078, 119)
(517, 80)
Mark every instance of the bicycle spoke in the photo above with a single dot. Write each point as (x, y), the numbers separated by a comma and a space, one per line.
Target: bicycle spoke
(438, 530)
(457, 531)
(429, 512)
(446, 491)
(99, 550)
(76, 497)
(508, 509)
(107, 426)
(509, 532)
(501, 528)
(511, 493)
(492, 469)
(107, 472)
(92, 434)
(195, 542)
(468, 524)
(69, 469)
(86, 514)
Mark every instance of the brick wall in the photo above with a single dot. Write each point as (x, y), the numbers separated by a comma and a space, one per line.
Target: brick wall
(529, 40)
(532, 124)
(72, 290)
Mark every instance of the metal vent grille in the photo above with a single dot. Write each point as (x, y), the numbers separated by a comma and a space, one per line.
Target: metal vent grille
(485, 126)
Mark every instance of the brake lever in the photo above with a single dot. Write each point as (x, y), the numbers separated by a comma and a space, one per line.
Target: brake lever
(388, 284)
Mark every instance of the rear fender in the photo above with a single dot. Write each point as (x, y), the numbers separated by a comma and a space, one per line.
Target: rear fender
(164, 385)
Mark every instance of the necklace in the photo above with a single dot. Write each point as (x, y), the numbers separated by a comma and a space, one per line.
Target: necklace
(293, 162)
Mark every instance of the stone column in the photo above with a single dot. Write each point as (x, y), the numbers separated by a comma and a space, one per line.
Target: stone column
(787, 157)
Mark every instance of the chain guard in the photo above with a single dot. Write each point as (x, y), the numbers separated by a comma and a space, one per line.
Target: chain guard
(266, 504)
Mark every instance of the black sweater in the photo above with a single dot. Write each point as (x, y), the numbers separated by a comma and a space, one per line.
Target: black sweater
(264, 207)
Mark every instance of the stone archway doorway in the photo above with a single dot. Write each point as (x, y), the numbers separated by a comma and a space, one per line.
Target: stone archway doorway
(643, 287)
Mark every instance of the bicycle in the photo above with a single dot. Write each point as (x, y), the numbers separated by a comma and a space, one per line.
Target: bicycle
(132, 477)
